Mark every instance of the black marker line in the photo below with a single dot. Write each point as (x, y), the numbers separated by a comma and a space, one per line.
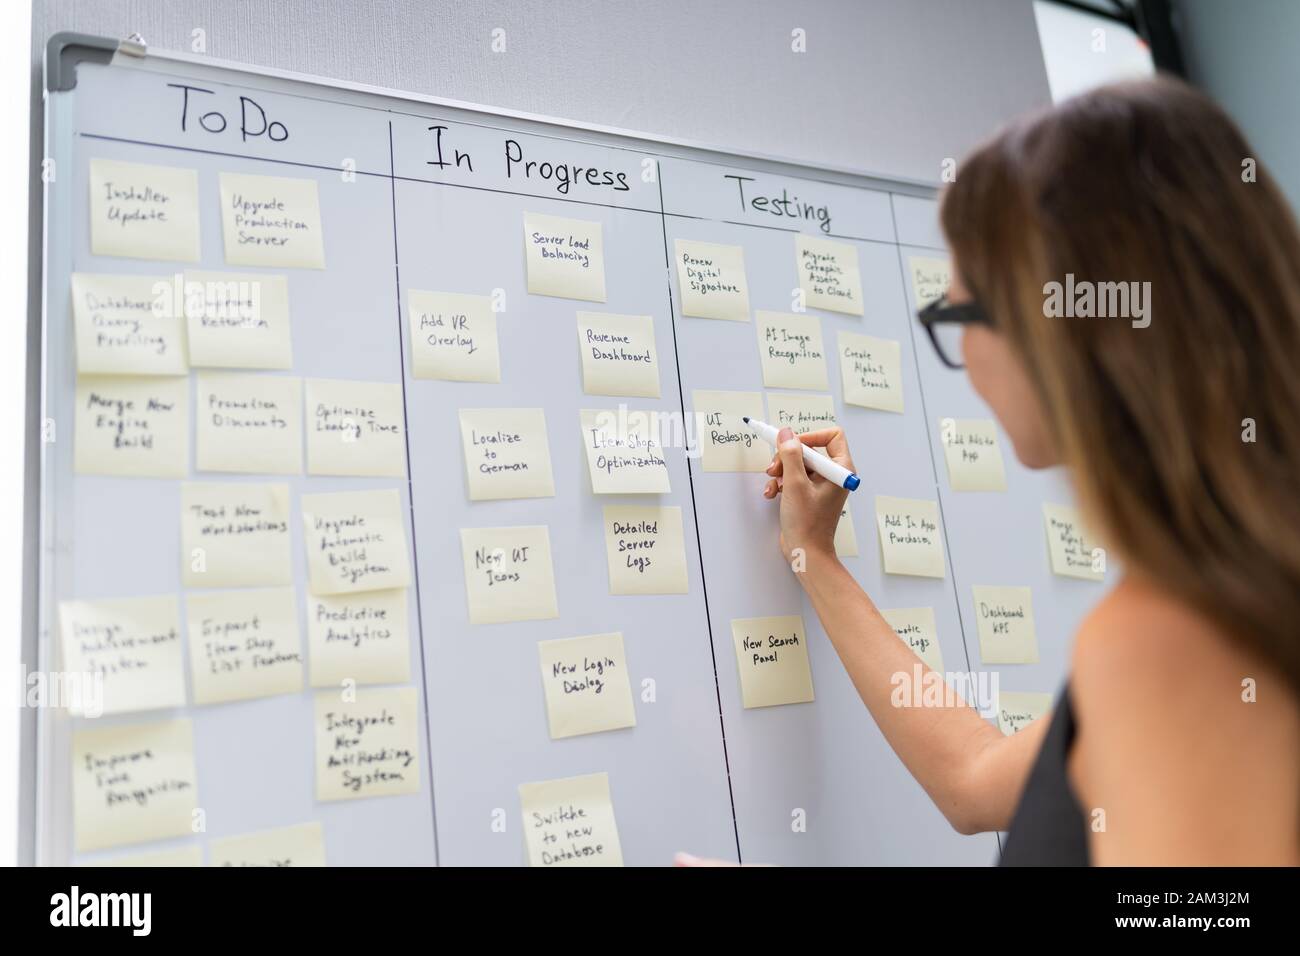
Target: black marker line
(410, 498)
(695, 513)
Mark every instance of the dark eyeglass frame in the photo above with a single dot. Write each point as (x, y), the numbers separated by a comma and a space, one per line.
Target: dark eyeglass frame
(941, 312)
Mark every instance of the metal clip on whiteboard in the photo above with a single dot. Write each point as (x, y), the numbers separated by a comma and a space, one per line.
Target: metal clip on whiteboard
(134, 45)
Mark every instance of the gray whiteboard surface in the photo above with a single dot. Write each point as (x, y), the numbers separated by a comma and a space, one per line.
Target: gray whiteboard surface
(698, 771)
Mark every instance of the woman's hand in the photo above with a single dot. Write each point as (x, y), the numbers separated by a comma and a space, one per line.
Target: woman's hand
(810, 505)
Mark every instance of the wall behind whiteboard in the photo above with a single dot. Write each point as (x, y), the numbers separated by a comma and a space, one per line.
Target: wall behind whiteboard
(889, 87)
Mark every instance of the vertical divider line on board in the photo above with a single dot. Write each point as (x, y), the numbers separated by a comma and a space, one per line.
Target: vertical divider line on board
(925, 415)
(695, 512)
(410, 491)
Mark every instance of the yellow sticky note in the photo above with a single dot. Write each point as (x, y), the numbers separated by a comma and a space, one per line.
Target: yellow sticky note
(802, 413)
(618, 354)
(144, 212)
(570, 822)
(1072, 550)
(301, 845)
(711, 278)
(507, 454)
(624, 453)
(871, 372)
(930, 278)
(790, 350)
(565, 257)
(828, 274)
(970, 446)
(358, 637)
(132, 427)
(248, 423)
(846, 536)
(726, 443)
(271, 221)
(132, 783)
(238, 320)
(508, 574)
(181, 856)
(368, 746)
(645, 549)
(1017, 709)
(916, 627)
(356, 541)
(243, 644)
(1004, 617)
(127, 653)
(453, 337)
(772, 654)
(234, 534)
(355, 428)
(810, 413)
(910, 538)
(586, 685)
(126, 325)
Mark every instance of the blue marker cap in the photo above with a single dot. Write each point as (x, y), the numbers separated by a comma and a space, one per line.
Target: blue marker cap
(851, 482)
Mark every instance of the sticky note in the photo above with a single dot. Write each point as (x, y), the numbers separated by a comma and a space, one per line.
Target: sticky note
(507, 454)
(181, 856)
(356, 541)
(144, 212)
(970, 446)
(586, 685)
(364, 638)
(871, 372)
(772, 654)
(1073, 552)
(126, 325)
(711, 278)
(1004, 617)
(453, 337)
(132, 427)
(508, 574)
(645, 549)
(301, 845)
(235, 534)
(930, 278)
(846, 536)
(132, 783)
(565, 257)
(802, 413)
(916, 628)
(271, 221)
(355, 428)
(618, 354)
(570, 822)
(828, 274)
(726, 443)
(625, 455)
(243, 644)
(125, 654)
(1016, 709)
(238, 320)
(810, 413)
(790, 350)
(248, 423)
(910, 538)
(368, 746)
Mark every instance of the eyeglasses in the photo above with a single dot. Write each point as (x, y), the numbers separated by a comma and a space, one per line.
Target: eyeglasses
(944, 323)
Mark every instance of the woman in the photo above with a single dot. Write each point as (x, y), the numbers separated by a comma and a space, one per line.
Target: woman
(1176, 740)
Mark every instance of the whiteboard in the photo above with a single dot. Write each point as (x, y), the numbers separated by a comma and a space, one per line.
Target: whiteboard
(698, 771)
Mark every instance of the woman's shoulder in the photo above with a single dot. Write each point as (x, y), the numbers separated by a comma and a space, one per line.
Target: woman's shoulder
(1187, 729)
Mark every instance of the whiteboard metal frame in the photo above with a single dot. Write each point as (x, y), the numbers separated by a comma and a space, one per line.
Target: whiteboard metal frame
(64, 52)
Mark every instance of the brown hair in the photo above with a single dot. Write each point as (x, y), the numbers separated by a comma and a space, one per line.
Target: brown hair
(1151, 182)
